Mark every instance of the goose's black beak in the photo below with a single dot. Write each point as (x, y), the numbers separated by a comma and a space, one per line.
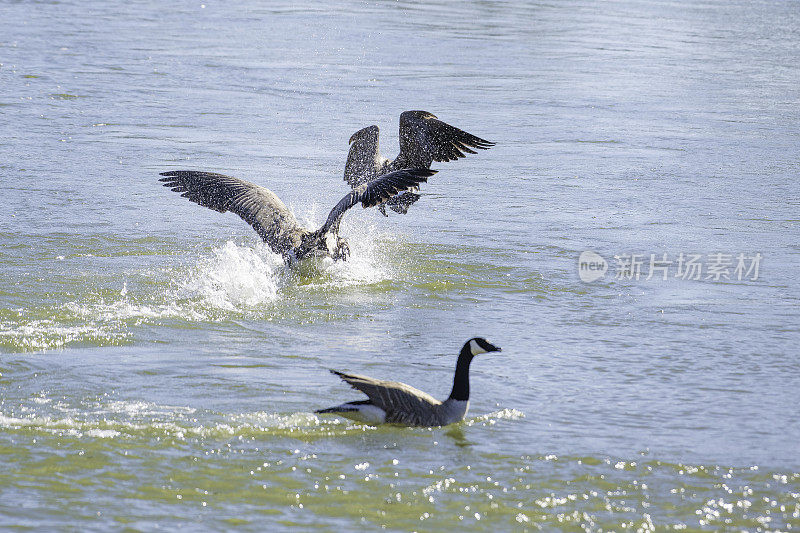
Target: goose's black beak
(493, 348)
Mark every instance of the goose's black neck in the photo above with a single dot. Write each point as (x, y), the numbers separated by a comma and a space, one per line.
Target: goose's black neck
(461, 380)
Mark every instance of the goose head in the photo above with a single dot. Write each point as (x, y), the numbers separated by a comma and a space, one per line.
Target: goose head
(474, 346)
(312, 245)
(478, 345)
(319, 246)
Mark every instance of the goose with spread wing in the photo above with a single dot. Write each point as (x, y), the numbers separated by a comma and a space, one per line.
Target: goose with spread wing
(390, 402)
(274, 222)
(423, 139)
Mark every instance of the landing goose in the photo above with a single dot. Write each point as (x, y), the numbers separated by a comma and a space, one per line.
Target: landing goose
(272, 220)
(423, 139)
(391, 402)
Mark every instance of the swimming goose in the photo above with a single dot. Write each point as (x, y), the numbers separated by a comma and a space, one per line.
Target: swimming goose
(272, 220)
(423, 139)
(391, 402)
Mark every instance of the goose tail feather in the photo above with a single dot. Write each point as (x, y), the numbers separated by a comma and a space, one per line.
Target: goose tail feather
(360, 411)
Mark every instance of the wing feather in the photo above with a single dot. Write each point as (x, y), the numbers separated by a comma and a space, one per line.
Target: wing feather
(377, 191)
(363, 158)
(424, 139)
(256, 205)
(402, 403)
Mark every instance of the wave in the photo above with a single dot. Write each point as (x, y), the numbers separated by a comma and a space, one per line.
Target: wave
(50, 334)
(139, 419)
(230, 280)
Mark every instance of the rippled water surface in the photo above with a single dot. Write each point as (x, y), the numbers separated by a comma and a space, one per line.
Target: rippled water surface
(159, 366)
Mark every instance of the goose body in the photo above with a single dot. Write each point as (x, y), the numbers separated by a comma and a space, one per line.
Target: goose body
(392, 402)
(274, 222)
(423, 139)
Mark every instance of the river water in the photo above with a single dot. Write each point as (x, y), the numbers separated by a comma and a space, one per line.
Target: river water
(159, 366)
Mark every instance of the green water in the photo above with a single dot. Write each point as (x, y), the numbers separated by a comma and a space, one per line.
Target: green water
(161, 467)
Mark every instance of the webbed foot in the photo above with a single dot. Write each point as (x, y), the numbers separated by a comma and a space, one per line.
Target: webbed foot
(342, 250)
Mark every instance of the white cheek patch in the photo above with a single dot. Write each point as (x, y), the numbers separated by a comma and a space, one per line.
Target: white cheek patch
(475, 348)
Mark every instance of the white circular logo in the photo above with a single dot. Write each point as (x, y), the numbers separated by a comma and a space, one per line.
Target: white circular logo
(591, 266)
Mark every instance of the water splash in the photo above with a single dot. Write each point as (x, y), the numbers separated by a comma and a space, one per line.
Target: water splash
(46, 334)
(368, 263)
(108, 419)
(240, 279)
(235, 277)
(493, 417)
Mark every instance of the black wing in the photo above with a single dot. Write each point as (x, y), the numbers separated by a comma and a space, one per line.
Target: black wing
(377, 191)
(363, 158)
(402, 403)
(424, 138)
(258, 206)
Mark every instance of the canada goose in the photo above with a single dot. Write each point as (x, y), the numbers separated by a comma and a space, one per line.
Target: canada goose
(273, 221)
(423, 139)
(391, 402)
